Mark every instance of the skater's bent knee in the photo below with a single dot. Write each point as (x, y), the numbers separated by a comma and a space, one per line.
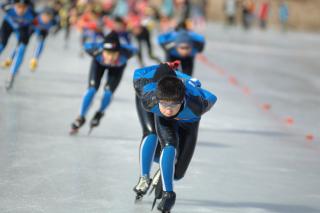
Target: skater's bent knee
(167, 144)
(92, 90)
(148, 133)
(178, 175)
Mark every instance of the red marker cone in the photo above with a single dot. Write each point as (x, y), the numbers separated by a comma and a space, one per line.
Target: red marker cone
(246, 90)
(233, 80)
(289, 120)
(309, 137)
(266, 107)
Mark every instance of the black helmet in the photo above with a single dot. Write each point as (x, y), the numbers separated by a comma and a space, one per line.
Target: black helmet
(48, 10)
(22, 2)
(111, 42)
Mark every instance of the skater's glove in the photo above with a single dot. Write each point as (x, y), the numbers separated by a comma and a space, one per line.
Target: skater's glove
(194, 82)
(169, 46)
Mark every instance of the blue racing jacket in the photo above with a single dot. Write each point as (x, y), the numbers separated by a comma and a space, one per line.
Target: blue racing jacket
(95, 50)
(168, 42)
(16, 21)
(38, 25)
(197, 100)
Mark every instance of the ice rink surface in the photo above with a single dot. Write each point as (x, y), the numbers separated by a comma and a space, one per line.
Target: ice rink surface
(248, 160)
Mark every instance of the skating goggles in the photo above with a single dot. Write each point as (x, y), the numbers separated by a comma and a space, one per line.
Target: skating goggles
(170, 104)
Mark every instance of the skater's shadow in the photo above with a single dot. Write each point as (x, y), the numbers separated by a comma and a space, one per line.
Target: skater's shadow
(270, 207)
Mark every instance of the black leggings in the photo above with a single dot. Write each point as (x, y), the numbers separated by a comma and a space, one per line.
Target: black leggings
(96, 74)
(147, 123)
(150, 50)
(183, 136)
(187, 64)
(43, 34)
(6, 30)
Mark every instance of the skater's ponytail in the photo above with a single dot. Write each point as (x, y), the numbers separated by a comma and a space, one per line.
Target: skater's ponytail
(163, 70)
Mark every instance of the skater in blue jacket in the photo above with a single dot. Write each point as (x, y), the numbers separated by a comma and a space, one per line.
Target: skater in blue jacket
(18, 18)
(182, 45)
(40, 27)
(177, 103)
(109, 55)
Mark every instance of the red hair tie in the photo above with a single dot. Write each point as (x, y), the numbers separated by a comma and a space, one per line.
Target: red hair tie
(174, 64)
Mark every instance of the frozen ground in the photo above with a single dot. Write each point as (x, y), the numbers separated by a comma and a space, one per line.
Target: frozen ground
(247, 160)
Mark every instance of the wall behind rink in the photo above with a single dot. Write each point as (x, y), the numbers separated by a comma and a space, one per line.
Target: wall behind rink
(303, 14)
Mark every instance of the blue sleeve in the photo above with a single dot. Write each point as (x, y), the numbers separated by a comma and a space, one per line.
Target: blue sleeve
(209, 100)
(92, 48)
(8, 17)
(182, 75)
(198, 41)
(145, 72)
(149, 100)
(201, 99)
(188, 79)
(5, 6)
(129, 50)
(166, 40)
(142, 77)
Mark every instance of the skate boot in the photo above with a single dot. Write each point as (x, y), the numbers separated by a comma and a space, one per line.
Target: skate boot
(75, 126)
(9, 82)
(155, 180)
(157, 192)
(167, 202)
(7, 63)
(33, 64)
(95, 120)
(142, 187)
